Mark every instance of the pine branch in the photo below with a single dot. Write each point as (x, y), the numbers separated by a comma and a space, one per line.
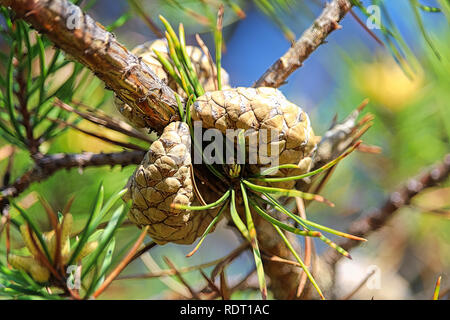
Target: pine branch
(88, 42)
(377, 218)
(49, 164)
(310, 40)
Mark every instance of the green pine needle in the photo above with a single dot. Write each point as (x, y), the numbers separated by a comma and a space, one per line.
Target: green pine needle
(116, 220)
(183, 76)
(192, 74)
(304, 222)
(208, 230)
(287, 193)
(300, 261)
(205, 207)
(35, 230)
(415, 6)
(255, 246)
(272, 170)
(168, 67)
(236, 218)
(272, 220)
(218, 41)
(180, 108)
(312, 173)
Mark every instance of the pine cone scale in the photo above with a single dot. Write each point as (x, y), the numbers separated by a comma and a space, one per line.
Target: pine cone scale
(161, 180)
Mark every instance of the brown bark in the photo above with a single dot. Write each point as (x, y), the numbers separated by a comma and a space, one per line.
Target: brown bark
(87, 41)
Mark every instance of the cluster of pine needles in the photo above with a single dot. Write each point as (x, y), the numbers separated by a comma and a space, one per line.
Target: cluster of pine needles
(256, 197)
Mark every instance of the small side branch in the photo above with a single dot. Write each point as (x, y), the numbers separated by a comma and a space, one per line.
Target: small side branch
(310, 40)
(399, 198)
(48, 165)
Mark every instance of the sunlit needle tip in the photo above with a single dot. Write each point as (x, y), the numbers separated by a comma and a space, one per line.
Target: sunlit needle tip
(363, 104)
(357, 238)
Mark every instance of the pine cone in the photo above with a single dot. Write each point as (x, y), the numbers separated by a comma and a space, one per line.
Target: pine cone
(261, 108)
(200, 62)
(162, 179)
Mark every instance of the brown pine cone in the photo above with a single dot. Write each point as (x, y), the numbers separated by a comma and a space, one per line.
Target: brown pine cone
(200, 62)
(163, 178)
(261, 108)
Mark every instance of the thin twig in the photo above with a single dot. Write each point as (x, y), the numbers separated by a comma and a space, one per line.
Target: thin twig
(171, 272)
(181, 278)
(363, 25)
(359, 286)
(210, 283)
(195, 188)
(228, 259)
(172, 284)
(207, 53)
(243, 281)
(369, 149)
(377, 218)
(311, 39)
(238, 286)
(224, 290)
(281, 260)
(22, 97)
(146, 248)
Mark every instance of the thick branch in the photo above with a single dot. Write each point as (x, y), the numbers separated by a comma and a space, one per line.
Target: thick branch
(310, 40)
(399, 198)
(48, 165)
(87, 41)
